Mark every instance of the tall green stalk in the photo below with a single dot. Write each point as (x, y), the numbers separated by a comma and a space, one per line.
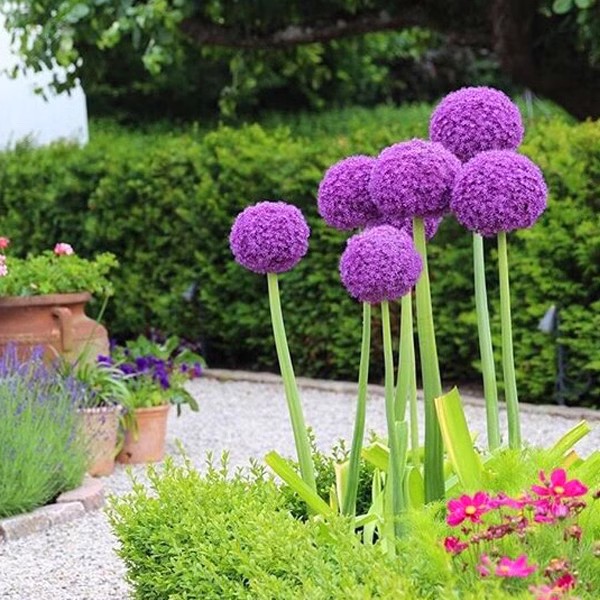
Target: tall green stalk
(349, 502)
(390, 412)
(432, 384)
(289, 382)
(508, 360)
(488, 369)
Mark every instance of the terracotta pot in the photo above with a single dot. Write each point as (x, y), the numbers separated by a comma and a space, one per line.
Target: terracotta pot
(55, 321)
(150, 442)
(99, 427)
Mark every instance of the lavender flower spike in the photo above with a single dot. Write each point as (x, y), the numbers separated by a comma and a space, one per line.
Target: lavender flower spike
(343, 200)
(476, 119)
(414, 182)
(269, 237)
(380, 264)
(499, 191)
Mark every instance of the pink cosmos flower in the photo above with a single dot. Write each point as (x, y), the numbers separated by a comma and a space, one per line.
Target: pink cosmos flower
(484, 566)
(502, 500)
(467, 507)
(63, 249)
(4, 243)
(559, 486)
(545, 592)
(514, 568)
(454, 546)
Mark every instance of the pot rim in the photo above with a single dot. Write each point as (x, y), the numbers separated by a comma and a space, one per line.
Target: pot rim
(45, 299)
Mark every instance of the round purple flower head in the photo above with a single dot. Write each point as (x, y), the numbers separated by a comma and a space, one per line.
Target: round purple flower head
(380, 264)
(476, 119)
(343, 200)
(414, 181)
(498, 191)
(406, 224)
(401, 147)
(269, 237)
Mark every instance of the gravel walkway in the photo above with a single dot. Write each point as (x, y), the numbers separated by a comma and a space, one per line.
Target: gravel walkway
(76, 561)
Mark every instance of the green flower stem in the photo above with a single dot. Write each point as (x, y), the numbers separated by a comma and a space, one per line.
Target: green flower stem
(508, 360)
(349, 503)
(432, 384)
(394, 468)
(414, 417)
(289, 382)
(488, 369)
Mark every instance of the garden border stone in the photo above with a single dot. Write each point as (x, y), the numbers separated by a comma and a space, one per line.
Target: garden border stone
(346, 387)
(69, 506)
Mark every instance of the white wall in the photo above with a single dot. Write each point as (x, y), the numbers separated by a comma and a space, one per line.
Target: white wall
(25, 114)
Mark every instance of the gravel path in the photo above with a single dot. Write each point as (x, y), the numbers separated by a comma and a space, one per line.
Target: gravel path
(76, 561)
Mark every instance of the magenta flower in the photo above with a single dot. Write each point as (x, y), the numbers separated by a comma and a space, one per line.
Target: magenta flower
(514, 568)
(453, 545)
(380, 264)
(484, 566)
(498, 191)
(406, 224)
(504, 501)
(269, 237)
(344, 201)
(4, 243)
(476, 119)
(414, 182)
(559, 486)
(63, 249)
(467, 507)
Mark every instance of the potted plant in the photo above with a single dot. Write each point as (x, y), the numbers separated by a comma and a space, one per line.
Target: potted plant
(43, 297)
(155, 375)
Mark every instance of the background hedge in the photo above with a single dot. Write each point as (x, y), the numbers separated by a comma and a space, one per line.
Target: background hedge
(164, 203)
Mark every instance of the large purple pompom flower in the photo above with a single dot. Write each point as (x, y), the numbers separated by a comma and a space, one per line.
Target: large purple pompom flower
(269, 237)
(400, 147)
(498, 191)
(406, 224)
(343, 200)
(380, 264)
(476, 119)
(414, 181)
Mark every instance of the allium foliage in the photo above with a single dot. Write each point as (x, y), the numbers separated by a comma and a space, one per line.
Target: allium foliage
(498, 191)
(269, 237)
(476, 119)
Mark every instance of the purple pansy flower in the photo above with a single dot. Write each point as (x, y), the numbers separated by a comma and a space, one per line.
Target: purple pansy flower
(415, 181)
(476, 119)
(380, 264)
(498, 191)
(269, 237)
(343, 199)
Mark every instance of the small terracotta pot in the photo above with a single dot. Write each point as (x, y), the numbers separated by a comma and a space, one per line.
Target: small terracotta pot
(150, 442)
(99, 427)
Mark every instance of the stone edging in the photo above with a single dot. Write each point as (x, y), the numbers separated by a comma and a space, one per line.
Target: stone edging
(70, 505)
(345, 387)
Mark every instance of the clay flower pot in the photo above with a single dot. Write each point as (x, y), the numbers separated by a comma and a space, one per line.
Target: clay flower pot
(57, 322)
(99, 428)
(150, 442)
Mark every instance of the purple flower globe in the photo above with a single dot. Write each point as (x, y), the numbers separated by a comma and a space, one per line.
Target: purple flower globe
(498, 191)
(343, 199)
(406, 224)
(380, 264)
(414, 181)
(476, 119)
(269, 237)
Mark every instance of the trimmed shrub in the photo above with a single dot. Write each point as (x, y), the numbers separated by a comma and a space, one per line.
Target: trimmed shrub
(164, 204)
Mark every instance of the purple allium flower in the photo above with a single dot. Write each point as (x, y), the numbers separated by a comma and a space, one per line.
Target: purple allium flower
(497, 191)
(380, 264)
(401, 147)
(269, 237)
(415, 181)
(476, 119)
(406, 224)
(343, 199)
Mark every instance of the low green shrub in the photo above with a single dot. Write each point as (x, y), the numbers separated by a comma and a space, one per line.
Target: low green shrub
(164, 204)
(41, 452)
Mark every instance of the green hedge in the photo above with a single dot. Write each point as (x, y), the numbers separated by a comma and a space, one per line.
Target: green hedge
(164, 203)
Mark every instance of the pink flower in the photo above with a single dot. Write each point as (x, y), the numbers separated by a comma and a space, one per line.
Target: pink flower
(454, 546)
(467, 507)
(514, 568)
(3, 269)
(484, 566)
(559, 487)
(566, 582)
(4, 243)
(545, 592)
(63, 249)
(502, 500)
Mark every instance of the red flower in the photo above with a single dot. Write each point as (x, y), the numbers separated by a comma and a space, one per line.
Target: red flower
(467, 507)
(514, 568)
(4, 243)
(454, 546)
(559, 487)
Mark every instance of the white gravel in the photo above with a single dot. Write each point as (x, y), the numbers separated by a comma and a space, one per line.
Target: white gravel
(76, 561)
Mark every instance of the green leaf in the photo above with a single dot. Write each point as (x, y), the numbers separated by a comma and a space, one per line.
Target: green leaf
(561, 7)
(569, 439)
(583, 4)
(378, 455)
(414, 487)
(457, 440)
(282, 468)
